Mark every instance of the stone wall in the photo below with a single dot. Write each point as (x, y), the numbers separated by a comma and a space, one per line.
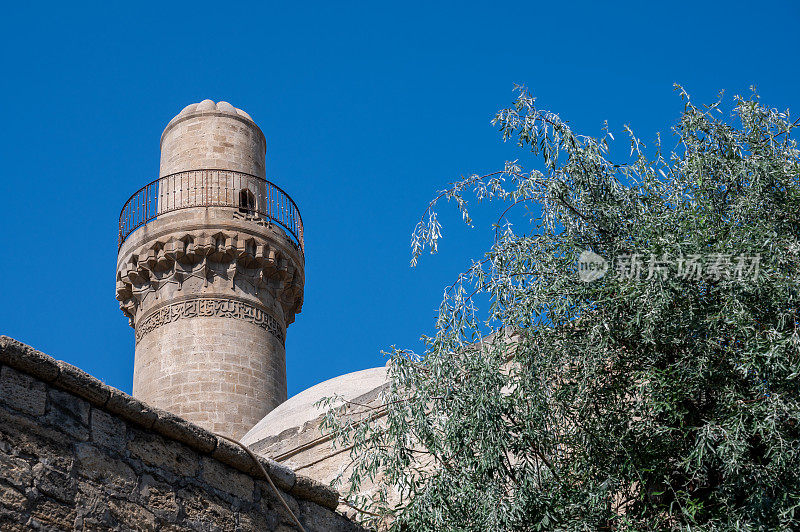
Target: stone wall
(76, 454)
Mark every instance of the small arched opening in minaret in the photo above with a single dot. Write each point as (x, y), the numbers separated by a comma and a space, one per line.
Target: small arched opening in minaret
(247, 201)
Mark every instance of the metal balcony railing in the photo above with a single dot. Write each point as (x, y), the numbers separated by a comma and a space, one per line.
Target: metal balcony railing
(247, 193)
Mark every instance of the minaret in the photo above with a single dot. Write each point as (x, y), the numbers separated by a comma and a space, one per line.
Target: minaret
(210, 272)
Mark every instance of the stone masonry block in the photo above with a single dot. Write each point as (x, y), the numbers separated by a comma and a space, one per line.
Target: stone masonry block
(27, 359)
(108, 430)
(159, 498)
(73, 405)
(310, 489)
(68, 413)
(81, 383)
(157, 452)
(15, 470)
(54, 482)
(223, 478)
(94, 464)
(22, 392)
(51, 515)
(269, 502)
(283, 476)
(131, 408)
(131, 516)
(31, 437)
(12, 498)
(233, 455)
(181, 430)
(327, 521)
(200, 509)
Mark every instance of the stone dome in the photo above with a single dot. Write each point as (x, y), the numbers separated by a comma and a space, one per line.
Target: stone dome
(300, 409)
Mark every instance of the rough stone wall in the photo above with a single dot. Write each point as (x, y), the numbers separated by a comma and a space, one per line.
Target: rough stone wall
(76, 454)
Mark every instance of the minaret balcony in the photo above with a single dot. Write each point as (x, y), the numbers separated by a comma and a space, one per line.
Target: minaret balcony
(247, 195)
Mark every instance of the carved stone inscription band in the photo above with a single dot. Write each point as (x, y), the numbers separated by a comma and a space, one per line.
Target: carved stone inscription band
(209, 307)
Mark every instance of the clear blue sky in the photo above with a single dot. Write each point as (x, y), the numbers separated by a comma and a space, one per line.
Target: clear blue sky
(368, 110)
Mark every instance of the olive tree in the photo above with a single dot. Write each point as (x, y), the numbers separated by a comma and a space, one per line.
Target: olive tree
(634, 362)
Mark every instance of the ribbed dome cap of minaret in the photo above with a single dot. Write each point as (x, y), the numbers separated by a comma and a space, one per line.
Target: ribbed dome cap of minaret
(210, 135)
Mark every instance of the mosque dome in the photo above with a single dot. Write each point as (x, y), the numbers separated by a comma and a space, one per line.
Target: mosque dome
(300, 409)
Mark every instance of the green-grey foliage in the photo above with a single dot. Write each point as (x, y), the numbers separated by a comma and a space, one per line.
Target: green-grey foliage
(667, 401)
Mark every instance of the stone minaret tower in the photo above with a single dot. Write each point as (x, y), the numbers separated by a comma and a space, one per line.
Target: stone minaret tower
(210, 272)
